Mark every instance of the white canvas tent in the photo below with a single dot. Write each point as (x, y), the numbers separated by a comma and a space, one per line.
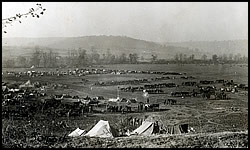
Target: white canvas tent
(76, 132)
(173, 129)
(151, 125)
(114, 99)
(177, 129)
(4, 88)
(27, 85)
(145, 129)
(101, 129)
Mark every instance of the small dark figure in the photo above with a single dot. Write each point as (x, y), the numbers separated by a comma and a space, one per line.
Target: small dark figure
(156, 128)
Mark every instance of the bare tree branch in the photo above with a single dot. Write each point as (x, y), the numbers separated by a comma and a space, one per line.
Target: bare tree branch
(39, 10)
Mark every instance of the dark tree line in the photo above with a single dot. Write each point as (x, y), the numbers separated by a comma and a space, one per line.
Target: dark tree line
(81, 57)
(183, 58)
(39, 58)
(47, 58)
(215, 59)
(228, 59)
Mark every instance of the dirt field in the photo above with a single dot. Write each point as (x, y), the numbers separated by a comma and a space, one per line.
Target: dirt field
(205, 116)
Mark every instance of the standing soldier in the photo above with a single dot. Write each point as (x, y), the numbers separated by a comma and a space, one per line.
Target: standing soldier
(145, 95)
(156, 127)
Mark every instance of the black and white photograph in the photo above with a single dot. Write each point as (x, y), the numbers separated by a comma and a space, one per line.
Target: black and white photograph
(124, 75)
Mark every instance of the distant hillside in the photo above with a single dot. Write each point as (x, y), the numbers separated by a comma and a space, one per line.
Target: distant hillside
(116, 44)
(216, 47)
(120, 44)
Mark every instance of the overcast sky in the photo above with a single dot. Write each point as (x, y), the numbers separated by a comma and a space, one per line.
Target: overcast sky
(160, 22)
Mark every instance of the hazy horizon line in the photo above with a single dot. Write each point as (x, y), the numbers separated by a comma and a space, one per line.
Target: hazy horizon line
(127, 37)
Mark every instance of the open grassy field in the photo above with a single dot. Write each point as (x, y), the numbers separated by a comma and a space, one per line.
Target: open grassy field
(205, 116)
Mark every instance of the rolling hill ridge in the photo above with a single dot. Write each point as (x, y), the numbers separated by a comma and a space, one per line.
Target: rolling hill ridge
(121, 44)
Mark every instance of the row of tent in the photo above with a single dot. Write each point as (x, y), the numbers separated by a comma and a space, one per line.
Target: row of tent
(101, 129)
(104, 130)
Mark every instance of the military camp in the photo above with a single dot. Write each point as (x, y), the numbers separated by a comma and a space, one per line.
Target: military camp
(124, 75)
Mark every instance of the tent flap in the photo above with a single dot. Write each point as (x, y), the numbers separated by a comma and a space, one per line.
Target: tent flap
(101, 129)
(145, 129)
(76, 132)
